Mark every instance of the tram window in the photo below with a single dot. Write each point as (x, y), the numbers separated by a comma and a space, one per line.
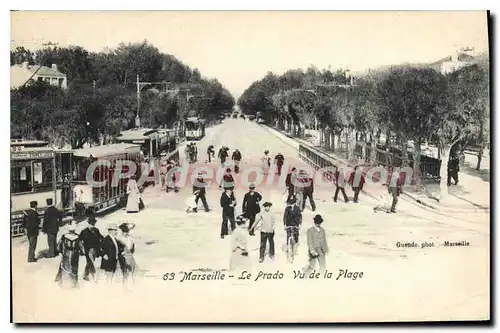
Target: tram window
(42, 174)
(21, 179)
(191, 126)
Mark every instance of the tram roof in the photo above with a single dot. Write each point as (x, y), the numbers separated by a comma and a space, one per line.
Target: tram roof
(136, 134)
(28, 143)
(195, 119)
(107, 150)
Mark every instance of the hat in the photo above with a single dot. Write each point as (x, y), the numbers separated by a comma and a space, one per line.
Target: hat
(266, 152)
(112, 226)
(72, 226)
(241, 219)
(318, 219)
(267, 204)
(126, 227)
(33, 204)
(302, 172)
(292, 200)
(252, 186)
(228, 170)
(92, 220)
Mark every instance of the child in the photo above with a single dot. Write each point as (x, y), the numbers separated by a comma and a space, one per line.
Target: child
(192, 206)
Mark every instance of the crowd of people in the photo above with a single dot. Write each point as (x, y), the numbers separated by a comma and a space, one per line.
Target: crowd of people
(114, 249)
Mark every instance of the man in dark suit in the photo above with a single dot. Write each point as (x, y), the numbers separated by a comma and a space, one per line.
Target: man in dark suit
(200, 186)
(31, 223)
(251, 207)
(279, 159)
(339, 185)
(357, 181)
(227, 202)
(91, 239)
(317, 245)
(292, 219)
(307, 191)
(111, 252)
(290, 181)
(52, 219)
(237, 159)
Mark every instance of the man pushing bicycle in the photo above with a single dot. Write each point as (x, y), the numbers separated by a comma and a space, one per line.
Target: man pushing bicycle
(292, 220)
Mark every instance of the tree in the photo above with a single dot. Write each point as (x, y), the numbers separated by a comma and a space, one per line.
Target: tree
(464, 107)
(410, 102)
(20, 55)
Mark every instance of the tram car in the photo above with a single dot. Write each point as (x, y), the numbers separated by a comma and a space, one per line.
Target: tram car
(195, 128)
(100, 199)
(32, 178)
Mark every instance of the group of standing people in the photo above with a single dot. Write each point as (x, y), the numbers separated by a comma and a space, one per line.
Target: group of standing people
(90, 243)
(191, 152)
(113, 249)
(316, 237)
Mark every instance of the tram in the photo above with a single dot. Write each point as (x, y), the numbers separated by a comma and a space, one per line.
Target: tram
(100, 199)
(195, 128)
(147, 138)
(33, 178)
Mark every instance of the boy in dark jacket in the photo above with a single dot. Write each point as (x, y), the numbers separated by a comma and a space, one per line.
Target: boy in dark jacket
(292, 219)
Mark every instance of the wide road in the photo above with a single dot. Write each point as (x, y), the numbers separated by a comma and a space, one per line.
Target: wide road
(433, 283)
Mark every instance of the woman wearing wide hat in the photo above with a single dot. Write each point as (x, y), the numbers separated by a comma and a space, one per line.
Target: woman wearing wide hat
(127, 263)
(70, 248)
(133, 195)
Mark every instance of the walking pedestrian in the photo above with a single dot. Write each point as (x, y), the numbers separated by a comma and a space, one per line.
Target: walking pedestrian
(307, 190)
(395, 189)
(292, 218)
(267, 221)
(237, 159)
(111, 252)
(70, 248)
(279, 159)
(91, 239)
(239, 253)
(31, 223)
(133, 195)
(317, 245)
(210, 153)
(200, 187)
(357, 181)
(291, 179)
(127, 262)
(339, 185)
(453, 169)
(222, 155)
(266, 162)
(227, 202)
(251, 206)
(227, 180)
(52, 219)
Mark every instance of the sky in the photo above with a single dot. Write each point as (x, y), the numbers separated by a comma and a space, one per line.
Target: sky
(239, 48)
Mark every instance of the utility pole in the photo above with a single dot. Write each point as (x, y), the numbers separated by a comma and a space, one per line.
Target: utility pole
(137, 118)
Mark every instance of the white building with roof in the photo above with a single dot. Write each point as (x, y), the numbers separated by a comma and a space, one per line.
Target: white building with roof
(22, 73)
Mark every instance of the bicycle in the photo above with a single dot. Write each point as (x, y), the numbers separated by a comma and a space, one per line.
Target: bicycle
(290, 244)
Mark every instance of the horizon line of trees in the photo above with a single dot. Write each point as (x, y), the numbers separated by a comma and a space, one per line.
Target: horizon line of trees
(404, 102)
(101, 99)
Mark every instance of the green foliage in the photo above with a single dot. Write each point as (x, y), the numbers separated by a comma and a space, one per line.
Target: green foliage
(101, 98)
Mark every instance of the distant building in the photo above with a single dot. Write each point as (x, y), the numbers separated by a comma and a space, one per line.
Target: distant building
(21, 73)
(452, 63)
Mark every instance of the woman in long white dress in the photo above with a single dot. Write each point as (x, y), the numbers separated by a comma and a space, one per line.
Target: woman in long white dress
(266, 162)
(133, 195)
(240, 260)
(127, 263)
